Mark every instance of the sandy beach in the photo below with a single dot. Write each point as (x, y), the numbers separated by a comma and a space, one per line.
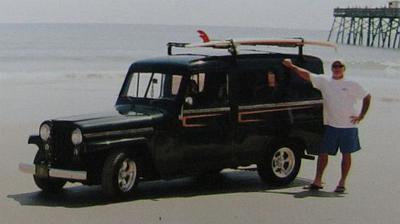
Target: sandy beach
(234, 197)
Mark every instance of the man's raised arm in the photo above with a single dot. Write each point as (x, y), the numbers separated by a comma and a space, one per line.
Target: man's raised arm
(303, 73)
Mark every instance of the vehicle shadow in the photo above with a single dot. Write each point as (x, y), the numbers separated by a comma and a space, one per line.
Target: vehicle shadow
(224, 183)
(312, 193)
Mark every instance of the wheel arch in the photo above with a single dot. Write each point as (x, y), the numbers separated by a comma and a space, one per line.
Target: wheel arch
(298, 143)
(140, 150)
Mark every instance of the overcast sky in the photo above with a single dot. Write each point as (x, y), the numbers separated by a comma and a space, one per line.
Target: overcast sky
(312, 14)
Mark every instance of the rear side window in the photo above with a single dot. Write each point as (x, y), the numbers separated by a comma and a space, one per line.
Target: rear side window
(299, 89)
(273, 85)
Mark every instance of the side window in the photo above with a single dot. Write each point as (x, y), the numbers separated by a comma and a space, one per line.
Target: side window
(206, 90)
(268, 87)
(259, 87)
(300, 89)
(193, 89)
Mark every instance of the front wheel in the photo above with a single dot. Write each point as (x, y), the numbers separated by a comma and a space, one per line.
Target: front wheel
(47, 184)
(120, 175)
(280, 166)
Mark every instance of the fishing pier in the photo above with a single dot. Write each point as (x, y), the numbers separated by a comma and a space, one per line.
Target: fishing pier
(372, 27)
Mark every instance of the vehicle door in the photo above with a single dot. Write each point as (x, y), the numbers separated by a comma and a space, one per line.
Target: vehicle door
(261, 114)
(157, 93)
(204, 133)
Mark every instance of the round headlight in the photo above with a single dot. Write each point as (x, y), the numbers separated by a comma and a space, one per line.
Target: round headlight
(44, 132)
(76, 136)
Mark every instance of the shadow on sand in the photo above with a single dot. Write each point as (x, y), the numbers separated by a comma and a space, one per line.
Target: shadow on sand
(312, 193)
(224, 183)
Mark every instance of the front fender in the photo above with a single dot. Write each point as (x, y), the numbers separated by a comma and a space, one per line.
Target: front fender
(118, 143)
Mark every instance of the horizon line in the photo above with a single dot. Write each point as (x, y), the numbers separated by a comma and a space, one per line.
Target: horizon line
(156, 24)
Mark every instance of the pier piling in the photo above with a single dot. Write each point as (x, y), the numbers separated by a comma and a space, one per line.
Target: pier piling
(372, 27)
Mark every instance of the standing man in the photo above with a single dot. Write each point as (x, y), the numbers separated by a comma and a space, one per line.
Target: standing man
(340, 97)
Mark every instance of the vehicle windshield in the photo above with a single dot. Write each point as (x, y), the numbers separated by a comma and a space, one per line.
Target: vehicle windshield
(153, 85)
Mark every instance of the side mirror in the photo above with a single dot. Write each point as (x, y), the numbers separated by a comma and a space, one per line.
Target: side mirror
(189, 101)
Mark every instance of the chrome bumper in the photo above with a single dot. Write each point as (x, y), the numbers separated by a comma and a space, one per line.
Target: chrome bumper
(52, 172)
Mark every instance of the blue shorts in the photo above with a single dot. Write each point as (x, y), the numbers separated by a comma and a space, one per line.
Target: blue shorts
(344, 138)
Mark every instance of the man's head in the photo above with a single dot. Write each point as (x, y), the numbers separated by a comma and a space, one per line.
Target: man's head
(338, 69)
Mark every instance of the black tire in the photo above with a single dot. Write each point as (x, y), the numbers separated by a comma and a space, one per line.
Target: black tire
(47, 185)
(120, 175)
(280, 165)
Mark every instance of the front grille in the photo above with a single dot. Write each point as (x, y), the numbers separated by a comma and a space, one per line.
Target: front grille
(61, 146)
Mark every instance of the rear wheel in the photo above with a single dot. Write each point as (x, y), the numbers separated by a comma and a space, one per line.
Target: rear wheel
(281, 165)
(120, 175)
(47, 184)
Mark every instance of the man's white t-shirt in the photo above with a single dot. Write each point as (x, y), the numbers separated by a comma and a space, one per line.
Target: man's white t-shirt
(340, 99)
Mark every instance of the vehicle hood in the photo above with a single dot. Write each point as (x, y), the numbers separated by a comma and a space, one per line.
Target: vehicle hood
(113, 120)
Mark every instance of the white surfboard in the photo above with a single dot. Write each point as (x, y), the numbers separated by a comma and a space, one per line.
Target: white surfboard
(293, 42)
(255, 42)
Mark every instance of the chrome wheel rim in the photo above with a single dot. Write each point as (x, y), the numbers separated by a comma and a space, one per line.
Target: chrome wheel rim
(127, 175)
(283, 162)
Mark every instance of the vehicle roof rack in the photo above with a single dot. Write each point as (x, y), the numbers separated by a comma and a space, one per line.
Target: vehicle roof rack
(170, 45)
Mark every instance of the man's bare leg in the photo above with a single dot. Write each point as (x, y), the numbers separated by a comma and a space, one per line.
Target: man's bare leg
(346, 164)
(321, 165)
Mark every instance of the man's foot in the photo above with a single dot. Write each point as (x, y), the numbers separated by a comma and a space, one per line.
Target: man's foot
(340, 189)
(313, 187)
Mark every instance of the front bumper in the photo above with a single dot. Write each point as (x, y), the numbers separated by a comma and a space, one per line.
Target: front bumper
(44, 171)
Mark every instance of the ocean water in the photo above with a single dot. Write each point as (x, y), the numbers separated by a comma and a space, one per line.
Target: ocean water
(104, 50)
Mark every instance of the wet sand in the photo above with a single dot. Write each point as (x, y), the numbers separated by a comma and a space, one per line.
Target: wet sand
(233, 197)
